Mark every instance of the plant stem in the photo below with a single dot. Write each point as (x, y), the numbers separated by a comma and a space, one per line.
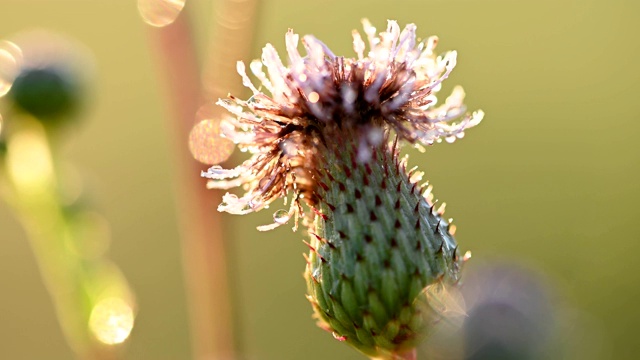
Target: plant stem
(75, 278)
(205, 253)
(203, 248)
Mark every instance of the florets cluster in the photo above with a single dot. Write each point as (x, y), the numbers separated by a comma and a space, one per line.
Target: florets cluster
(320, 97)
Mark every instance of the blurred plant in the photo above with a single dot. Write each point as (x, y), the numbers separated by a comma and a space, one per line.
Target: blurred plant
(204, 245)
(328, 136)
(510, 314)
(44, 89)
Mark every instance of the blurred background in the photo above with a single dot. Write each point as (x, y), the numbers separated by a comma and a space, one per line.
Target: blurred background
(547, 186)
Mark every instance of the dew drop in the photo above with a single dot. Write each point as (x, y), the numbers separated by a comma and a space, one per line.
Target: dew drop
(288, 147)
(160, 13)
(460, 135)
(375, 136)
(450, 139)
(206, 144)
(265, 182)
(314, 97)
(281, 216)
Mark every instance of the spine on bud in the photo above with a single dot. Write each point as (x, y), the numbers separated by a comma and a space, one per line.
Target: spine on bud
(378, 243)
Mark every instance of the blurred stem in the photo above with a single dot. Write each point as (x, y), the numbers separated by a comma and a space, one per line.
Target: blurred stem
(203, 242)
(32, 191)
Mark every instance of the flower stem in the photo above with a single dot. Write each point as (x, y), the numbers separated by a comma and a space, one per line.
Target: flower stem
(64, 242)
(205, 251)
(203, 248)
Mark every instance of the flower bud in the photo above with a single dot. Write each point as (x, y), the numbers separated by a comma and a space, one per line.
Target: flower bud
(327, 139)
(46, 93)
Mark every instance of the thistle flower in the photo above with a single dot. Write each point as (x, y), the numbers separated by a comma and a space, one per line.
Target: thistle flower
(328, 136)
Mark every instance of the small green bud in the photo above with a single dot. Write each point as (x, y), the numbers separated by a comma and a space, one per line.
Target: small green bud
(45, 77)
(49, 93)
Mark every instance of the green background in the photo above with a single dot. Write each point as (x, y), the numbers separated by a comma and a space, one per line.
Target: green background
(550, 179)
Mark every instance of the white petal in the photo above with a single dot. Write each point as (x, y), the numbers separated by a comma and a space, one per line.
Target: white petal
(245, 79)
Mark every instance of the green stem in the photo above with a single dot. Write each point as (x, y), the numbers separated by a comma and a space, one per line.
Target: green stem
(75, 281)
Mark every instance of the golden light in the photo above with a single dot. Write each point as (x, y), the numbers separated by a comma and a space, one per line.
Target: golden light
(314, 97)
(111, 321)
(206, 144)
(10, 63)
(160, 13)
(29, 160)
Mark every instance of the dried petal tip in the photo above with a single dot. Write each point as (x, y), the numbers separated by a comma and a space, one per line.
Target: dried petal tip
(321, 97)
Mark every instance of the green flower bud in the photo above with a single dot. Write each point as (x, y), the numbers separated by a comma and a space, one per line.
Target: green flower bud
(48, 75)
(378, 244)
(46, 93)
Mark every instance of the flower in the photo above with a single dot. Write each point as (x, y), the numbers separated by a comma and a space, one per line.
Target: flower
(322, 96)
(328, 136)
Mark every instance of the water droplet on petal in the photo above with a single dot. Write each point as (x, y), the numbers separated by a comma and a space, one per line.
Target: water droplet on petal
(289, 147)
(281, 216)
(314, 97)
(206, 144)
(460, 135)
(254, 204)
(375, 136)
(450, 139)
(264, 183)
(160, 13)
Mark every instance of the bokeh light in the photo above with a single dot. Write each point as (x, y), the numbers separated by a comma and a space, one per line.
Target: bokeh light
(160, 13)
(111, 321)
(10, 62)
(205, 141)
(29, 159)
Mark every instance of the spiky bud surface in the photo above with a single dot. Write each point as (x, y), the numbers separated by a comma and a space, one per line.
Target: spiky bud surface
(378, 244)
(328, 139)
